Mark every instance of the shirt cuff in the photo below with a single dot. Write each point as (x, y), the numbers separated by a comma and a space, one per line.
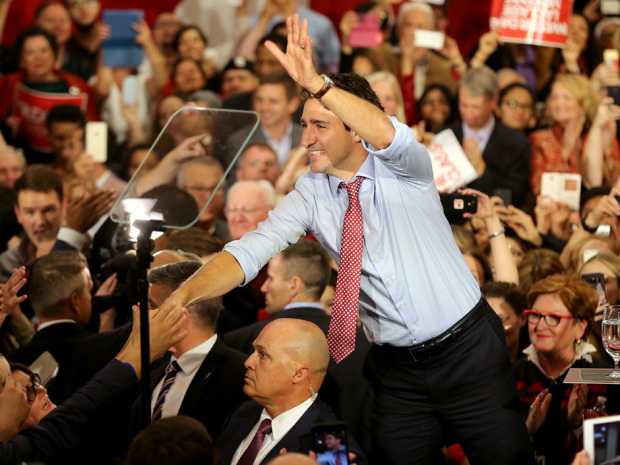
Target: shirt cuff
(72, 237)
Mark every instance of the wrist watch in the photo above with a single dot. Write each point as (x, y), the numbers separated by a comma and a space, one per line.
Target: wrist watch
(326, 86)
(586, 227)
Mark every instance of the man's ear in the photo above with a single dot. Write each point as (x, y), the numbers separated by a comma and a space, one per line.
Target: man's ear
(17, 214)
(301, 374)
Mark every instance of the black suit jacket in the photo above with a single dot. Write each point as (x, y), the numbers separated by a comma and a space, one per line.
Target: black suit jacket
(79, 426)
(298, 439)
(507, 158)
(345, 389)
(214, 392)
(80, 354)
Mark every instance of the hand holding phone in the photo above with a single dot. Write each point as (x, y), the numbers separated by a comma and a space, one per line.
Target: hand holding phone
(329, 442)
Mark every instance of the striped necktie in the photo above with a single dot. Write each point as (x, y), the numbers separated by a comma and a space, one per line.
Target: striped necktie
(171, 373)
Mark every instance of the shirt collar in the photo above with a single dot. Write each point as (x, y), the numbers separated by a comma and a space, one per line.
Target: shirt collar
(367, 170)
(583, 351)
(283, 423)
(192, 359)
(54, 322)
(484, 133)
(304, 305)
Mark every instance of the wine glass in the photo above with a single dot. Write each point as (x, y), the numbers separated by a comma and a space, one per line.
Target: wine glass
(610, 333)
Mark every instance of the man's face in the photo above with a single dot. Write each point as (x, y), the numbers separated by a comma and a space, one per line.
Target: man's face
(327, 141)
(238, 81)
(259, 163)
(10, 169)
(165, 28)
(38, 212)
(272, 106)
(84, 298)
(67, 140)
(84, 13)
(245, 208)
(475, 111)
(200, 181)
(332, 442)
(158, 292)
(266, 62)
(412, 21)
(277, 288)
(270, 369)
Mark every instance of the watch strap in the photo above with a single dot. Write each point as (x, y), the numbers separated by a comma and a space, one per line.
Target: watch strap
(326, 86)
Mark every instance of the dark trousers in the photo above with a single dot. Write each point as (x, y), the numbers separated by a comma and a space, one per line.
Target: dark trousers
(467, 392)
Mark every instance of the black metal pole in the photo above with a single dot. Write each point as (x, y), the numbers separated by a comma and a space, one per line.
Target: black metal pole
(145, 247)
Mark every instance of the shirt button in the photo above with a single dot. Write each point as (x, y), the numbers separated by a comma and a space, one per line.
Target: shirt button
(401, 304)
(367, 230)
(414, 327)
(376, 256)
(389, 281)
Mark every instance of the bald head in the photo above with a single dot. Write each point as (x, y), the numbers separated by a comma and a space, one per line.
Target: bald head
(292, 458)
(288, 364)
(306, 342)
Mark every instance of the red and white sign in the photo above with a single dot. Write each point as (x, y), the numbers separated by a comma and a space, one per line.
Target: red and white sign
(535, 22)
(451, 167)
(31, 107)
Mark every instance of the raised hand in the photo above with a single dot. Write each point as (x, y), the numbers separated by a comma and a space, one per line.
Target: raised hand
(9, 301)
(297, 61)
(538, 412)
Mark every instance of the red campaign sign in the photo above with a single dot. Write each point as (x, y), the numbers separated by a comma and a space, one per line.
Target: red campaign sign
(31, 107)
(535, 22)
(450, 175)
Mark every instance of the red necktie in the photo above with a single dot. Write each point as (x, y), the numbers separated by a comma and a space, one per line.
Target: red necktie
(341, 334)
(251, 452)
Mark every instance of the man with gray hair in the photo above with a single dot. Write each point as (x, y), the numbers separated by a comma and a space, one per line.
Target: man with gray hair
(500, 155)
(248, 203)
(419, 66)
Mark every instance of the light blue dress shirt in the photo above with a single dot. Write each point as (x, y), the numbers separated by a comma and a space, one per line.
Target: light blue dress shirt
(415, 283)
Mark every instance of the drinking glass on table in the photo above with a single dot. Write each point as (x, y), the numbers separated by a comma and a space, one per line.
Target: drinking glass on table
(610, 333)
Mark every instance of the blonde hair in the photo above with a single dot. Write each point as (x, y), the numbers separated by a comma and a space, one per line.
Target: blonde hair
(391, 79)
(581, 88)
(5, 371)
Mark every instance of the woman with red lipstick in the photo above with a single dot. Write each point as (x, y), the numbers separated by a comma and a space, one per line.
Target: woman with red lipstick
(561, 311)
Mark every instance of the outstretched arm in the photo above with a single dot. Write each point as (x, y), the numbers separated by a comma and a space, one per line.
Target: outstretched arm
(364, 118)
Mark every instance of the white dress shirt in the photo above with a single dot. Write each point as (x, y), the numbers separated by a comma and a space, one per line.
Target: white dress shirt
(280, 425)
(189, 363)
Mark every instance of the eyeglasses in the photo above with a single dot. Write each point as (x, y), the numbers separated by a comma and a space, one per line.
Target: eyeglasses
(552, 319)
(515, 104)
(31, 391)
(83, 3)
(230, 209)
(198, 189)
(266, 164)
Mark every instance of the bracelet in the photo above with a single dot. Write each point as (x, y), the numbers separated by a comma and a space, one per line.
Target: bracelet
(497, 233)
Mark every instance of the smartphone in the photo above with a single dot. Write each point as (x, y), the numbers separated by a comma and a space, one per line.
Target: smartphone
(505, 195)
(597, 281)
(130, 90)
(429, 39)
(610, 7)
(97, 140)
(368, 34)
(603, 230)
(329, 443)
(611, 57)
(614, 92)
(46, 367)
(601, 438)
(459, 203)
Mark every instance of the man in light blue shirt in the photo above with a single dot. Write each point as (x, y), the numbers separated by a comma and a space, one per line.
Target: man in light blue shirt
(439, 355)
